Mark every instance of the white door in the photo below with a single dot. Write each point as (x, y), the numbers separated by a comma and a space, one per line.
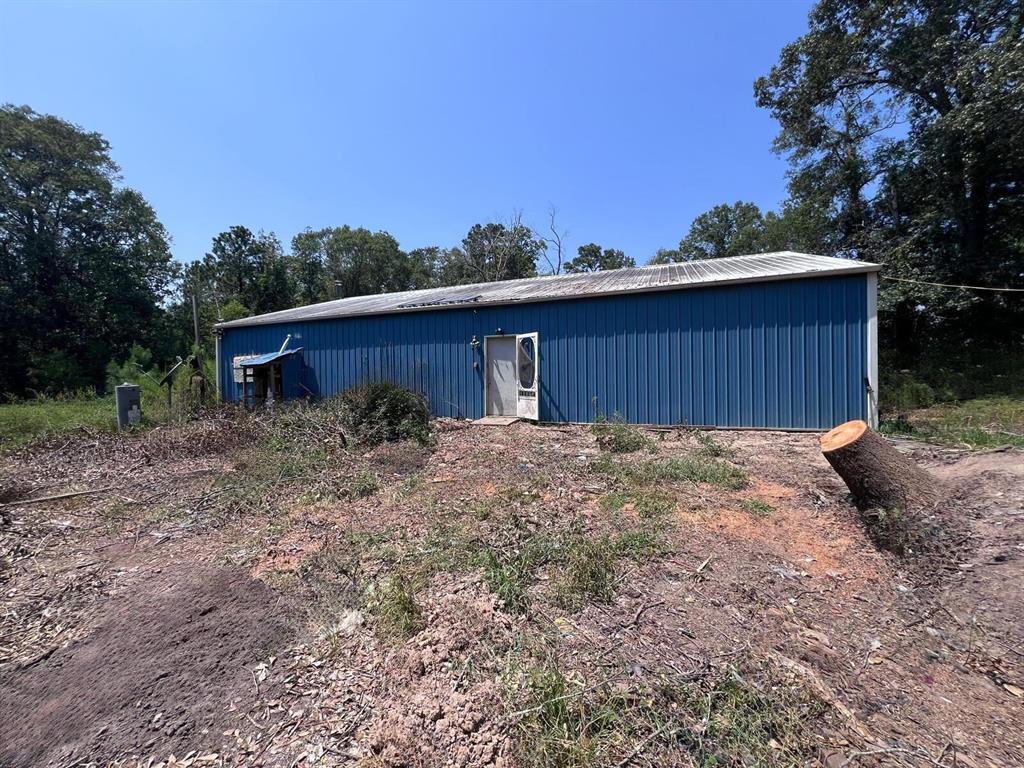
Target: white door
(528, 373)
(500, 352)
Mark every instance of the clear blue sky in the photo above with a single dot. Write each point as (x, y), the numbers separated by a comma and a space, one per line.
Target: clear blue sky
(419, 119)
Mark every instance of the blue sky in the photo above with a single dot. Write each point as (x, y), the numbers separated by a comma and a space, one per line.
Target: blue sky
(418, 119)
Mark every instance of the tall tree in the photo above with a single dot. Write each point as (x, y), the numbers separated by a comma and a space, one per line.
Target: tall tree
(84, 265)
(591, 258)
(493, 251)
(337, 262)
(250, 269)
(905, 120)
(725, 230)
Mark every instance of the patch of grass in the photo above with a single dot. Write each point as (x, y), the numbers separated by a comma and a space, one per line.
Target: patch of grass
(412, 485)
(640, 545)
(718, 720)
(365, 484)
(756, 507)
(711, 447)
(697, 469)
(564, 725)
(618, 436)
(509, 572)
(987, 422)
(648, 505)
(587, 572)
(393, 603)
(739, 723)
(24, 421)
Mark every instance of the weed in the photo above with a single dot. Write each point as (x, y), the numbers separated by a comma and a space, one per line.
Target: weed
(647, 505)
(722, 719)
(695, 469)
(711, 448)
(617, 436)
(564, 725)
(365, 484)
(447, 548)
(741, 724)
(587, 572)
(393, 603)
(509, 572)
(756, 507)
(640, 545)
(411, 485)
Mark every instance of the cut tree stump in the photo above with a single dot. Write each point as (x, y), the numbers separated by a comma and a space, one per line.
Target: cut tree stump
(878, 476)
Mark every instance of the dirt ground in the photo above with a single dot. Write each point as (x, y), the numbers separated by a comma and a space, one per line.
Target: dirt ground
(194, 603)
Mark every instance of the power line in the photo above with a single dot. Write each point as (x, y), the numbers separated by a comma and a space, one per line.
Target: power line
(946, 285)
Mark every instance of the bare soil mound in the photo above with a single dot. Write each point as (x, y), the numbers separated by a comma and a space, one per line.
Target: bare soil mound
(157, 674)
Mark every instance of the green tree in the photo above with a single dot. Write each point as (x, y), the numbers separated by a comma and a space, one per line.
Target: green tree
(725, 230)
(591, 258)
(337, 262)
(249, 268)
(493, 251)
(904, 121)
(84, 265)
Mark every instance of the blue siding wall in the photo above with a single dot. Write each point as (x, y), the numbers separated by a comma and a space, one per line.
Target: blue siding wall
(786, 354)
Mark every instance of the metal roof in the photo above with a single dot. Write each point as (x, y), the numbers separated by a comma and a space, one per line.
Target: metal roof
(269, 357)
(737, 269)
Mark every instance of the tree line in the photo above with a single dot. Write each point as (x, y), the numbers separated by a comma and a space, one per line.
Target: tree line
(902, 122)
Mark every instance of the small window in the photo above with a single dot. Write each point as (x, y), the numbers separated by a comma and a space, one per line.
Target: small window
(527, 363)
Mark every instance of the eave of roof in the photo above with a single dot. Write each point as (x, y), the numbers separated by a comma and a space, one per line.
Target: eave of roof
(784, 265)
(266, 359)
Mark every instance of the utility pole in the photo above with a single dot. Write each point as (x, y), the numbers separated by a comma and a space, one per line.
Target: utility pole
(195, 317)
(197, 366)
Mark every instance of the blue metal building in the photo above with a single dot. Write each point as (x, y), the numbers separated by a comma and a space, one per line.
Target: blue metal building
(778, 340)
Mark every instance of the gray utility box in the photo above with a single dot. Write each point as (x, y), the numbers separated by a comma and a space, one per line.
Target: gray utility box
(129, 404)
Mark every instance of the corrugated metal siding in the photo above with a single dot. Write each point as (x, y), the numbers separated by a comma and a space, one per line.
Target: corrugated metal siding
(786, 354)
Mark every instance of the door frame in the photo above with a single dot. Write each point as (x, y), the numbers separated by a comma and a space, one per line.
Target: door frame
(487, 339)
(514, 338)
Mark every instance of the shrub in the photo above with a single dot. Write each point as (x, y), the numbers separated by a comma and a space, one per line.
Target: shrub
(382, 410)
(617, 436)
(900, 391)
(711, 447)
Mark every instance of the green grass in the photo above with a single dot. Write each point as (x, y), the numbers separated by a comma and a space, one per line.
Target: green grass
(987, 422)
(587, 572)
(756, 507)
(25, 421)
(712, 448)
(648, 505)
(564, 725)
(393, 603)
(697, 469)
(617, 436)
(718, 720)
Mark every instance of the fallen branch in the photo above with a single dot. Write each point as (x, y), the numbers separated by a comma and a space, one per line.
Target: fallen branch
(58, 496)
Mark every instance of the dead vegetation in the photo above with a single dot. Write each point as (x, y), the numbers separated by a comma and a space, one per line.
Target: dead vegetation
(521, 596)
